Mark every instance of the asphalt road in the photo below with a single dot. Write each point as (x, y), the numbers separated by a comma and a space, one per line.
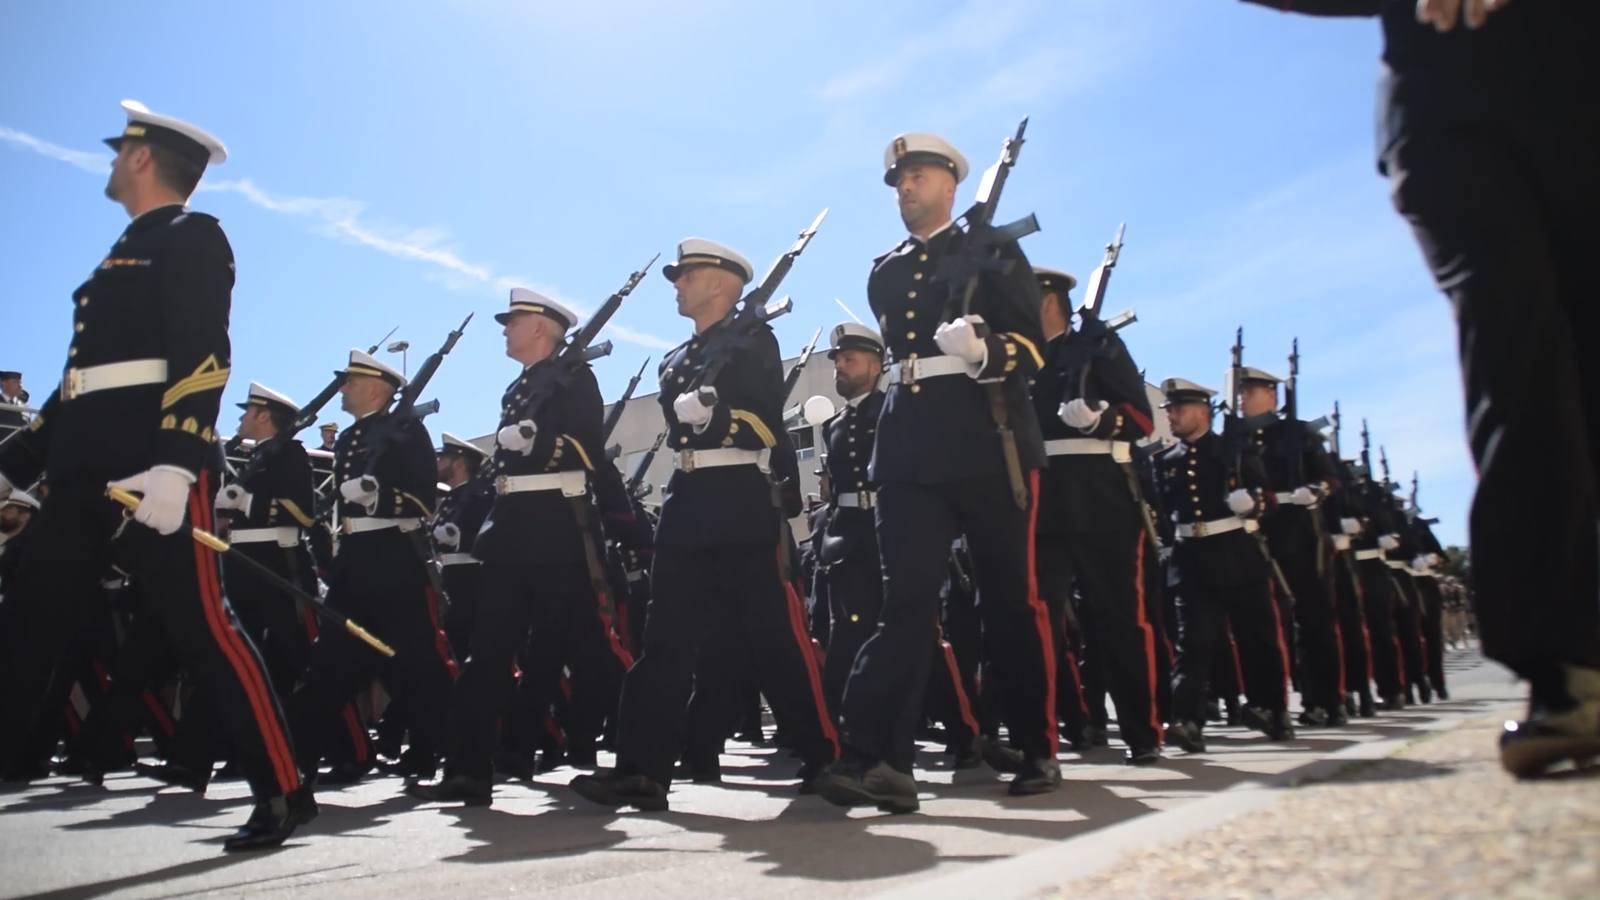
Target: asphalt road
(750, 836)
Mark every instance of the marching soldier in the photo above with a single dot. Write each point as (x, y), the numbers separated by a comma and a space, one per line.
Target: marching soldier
(1379, 593)
(850, 576)
(943, 470)
(455, 531)
(1299, 475)
(1341, 516)
(379, 576)
(147, 362)
(1213, 494)
(539, 549)
(719, 553)
(1092, 530)
(12, 399)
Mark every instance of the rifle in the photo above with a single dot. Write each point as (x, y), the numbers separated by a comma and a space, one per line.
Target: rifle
(1291, 389)
(960, 271)
(308, 413)
(1236, 374)
(1091, 328)
(576, 353)
(642, 468)
(1383, 462)
(1337, 420)
(1366, 449)
(615, 415)
(756, 308)
(799, 366)
(1414, 490)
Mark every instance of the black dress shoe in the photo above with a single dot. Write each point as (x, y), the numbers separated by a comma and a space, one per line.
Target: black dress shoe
(1078, 739)
(1141, 756)
(968, 755)
(859, 782)
(1562, 724)
(1097, 736)
(1001, 758)
(346, 773)
(704, 771)
(461, 789)
(1213, 711)
(1350, 708)
(1315, 717)
(1337, 718)
(614, 789)
(807, 776)
(1188, 736)
(273, 820)
(1281, 727)
(1232, 718)
(176, 775)
(1393, 703)
(1442, 693)
(1366, 708)
(1425, 692)
(1039, 775)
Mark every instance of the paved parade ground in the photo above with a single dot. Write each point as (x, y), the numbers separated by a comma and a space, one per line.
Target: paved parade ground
(753, 836)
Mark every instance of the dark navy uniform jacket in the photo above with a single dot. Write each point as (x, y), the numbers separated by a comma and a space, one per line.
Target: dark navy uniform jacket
(162, 292)
(1089, 492)
(940, 429)
(732, 504)
(541, 527)
(1195, 480)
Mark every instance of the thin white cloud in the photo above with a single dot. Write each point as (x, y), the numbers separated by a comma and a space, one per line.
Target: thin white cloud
(975, 28)
(94, 163)
(340, 217)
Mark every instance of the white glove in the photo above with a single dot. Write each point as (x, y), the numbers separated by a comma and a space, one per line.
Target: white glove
(234, 497)
(447, 536)
(1421, 561)
(518, 438)
(166, 493)
(1388, 541)
(1350, 526)
(1077, 414)
(1164, 554)
(1241, 502)
(363, 490)
(691, 411)
(1303, 496)
(960, 338)
(5, 487)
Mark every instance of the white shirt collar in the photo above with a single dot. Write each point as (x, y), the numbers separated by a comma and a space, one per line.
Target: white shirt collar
(936, 232)
(858, 399)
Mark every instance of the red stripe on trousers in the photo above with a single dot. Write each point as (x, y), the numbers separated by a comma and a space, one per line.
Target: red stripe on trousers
(802, 643)
(441, 644)
(358, 739)
(962, 703)
(251, 679)
(1143, 619)
(1238, 664)
(158, 711)
(1277, 630)
(613, 640)
(1041, 618)
(1338, 631)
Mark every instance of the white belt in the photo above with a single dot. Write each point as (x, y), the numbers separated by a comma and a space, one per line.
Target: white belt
(1341, 542)
(913, 370)
(456, 559)
(635, 576)
(1287, 499)
(1216, 526)
(285, 536)
(857, 499)
(1419, 573)
(689, 460)
(134, 372)
(571, 483)
(1121, 451)
(1372, 553)
(1397, 564)
(377, 523)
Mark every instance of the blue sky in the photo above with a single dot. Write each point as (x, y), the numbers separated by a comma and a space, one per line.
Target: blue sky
(403, 163)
